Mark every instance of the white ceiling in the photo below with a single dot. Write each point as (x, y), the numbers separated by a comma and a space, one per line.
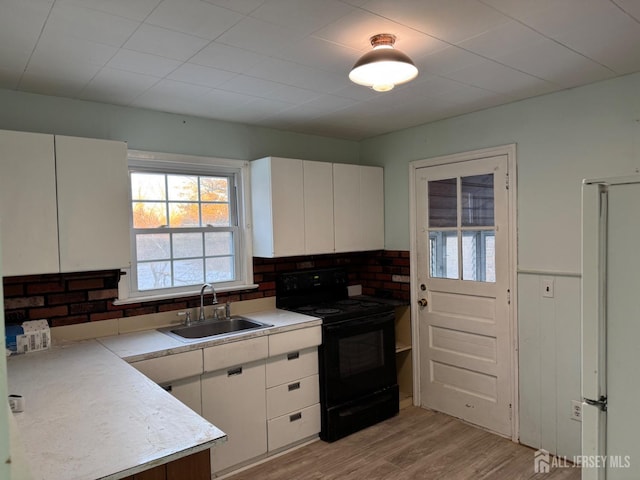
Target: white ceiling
(284, 63)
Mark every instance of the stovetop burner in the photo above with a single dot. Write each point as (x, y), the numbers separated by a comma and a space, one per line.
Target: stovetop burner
(323, 293)
(338, 310)
(369, 304)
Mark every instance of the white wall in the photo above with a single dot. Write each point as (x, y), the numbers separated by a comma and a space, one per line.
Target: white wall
(561, 138)
(165, 132)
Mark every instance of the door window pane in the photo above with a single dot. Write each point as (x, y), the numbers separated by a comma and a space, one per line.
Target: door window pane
(478, 256)
(477, 201)
(443, 248)
(443, 203)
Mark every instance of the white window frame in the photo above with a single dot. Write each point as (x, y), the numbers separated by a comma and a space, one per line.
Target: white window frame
(189, 164)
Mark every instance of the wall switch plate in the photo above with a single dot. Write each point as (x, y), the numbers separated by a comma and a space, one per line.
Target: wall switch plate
(576, 410)
(547, 285)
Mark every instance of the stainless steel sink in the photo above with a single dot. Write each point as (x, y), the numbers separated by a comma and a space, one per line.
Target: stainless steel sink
(213, 328)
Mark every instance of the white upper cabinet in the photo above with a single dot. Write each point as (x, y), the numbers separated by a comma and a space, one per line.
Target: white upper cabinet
(318, 207)
(64, 203)
(292, 207)
(302, 207)
(358, 197)
(93, 204)
(28, 204)
(277, 207)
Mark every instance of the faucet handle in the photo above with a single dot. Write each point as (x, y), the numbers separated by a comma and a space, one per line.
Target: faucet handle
(187, 315)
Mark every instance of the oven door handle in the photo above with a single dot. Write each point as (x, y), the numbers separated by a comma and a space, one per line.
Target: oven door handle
(360, 323)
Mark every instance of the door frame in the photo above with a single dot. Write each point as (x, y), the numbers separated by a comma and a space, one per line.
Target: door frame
(510, 151)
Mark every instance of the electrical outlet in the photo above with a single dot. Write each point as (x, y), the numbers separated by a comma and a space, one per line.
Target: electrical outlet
(576, 410)
(547, 287)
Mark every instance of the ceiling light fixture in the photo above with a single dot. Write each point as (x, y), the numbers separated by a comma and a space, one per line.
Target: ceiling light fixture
(384, 67)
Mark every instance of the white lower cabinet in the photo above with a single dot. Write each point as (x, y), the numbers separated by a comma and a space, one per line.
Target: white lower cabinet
(293, 391)
(234, 401)
(178, 374)
(262, 392)
(188, 391)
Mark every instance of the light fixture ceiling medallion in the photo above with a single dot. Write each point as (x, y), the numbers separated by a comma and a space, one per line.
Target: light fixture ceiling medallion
(384, 67)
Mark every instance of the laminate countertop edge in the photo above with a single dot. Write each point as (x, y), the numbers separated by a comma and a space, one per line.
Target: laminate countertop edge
(89, 415)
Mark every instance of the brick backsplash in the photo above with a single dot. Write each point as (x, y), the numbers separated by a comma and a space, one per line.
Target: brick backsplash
(70, 298)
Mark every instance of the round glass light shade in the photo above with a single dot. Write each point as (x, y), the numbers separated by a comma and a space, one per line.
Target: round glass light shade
(383, 68)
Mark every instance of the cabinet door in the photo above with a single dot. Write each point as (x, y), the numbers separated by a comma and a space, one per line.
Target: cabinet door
(358, 197)
(93, 204)
(234, 400)
(346, 205)
(277, 207)
(188, 391)
(372, 208)
(28, 204)
(318, 207)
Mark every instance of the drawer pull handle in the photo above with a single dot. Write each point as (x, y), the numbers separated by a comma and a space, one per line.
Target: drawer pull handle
(294, 386)
(234, 371)
(293, 356)
(168, 388)
(295, 416)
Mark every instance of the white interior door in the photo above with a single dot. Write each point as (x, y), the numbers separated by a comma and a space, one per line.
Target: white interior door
(466, 352)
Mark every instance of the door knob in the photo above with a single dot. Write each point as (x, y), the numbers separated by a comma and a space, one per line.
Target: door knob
(422, 302)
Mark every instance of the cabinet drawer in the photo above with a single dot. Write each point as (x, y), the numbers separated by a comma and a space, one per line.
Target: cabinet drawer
(293, 427)
(172, 367)
(235, 353)
(292, 366)
(295, 340)
(293, 396)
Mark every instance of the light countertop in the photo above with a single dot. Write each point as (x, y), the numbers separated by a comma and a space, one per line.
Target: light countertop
(89, 415)
(147, 344)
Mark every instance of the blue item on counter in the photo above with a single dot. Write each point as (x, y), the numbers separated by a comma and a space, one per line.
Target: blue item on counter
(12, 332)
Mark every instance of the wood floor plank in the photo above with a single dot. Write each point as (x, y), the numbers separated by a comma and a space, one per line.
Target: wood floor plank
(416, 444)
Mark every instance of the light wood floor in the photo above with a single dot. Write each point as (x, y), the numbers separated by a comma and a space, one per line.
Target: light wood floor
(416, 444)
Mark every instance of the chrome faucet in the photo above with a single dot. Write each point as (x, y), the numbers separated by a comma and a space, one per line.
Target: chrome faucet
(215, 299)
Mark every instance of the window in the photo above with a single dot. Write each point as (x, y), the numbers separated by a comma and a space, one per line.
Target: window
(187, 225)
(461, 228)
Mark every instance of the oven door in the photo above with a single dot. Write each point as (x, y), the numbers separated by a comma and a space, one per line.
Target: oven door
(357, 357)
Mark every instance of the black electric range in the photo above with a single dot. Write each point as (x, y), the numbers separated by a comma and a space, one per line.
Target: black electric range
(358, 382)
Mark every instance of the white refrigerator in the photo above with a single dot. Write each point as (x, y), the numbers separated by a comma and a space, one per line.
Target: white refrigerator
(611, 328)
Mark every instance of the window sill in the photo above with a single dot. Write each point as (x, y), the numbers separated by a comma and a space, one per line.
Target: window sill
(168, 296)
